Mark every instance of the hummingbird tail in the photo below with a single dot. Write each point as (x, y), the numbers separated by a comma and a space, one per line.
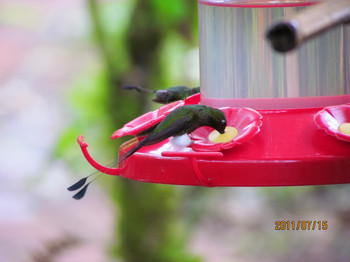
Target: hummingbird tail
(82, 183)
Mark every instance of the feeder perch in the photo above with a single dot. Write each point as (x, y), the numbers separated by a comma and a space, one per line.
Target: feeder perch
(291, 111)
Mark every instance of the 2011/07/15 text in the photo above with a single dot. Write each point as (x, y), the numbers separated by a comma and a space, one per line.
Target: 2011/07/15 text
(301, 225)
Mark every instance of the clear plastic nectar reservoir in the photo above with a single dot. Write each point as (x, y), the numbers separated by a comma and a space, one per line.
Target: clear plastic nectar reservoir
(238, 67)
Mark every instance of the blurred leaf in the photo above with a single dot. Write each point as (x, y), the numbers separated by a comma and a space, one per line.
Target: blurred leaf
(169, 12)
(177, 66)
(89, 95)
(115, 17)
(88, 108)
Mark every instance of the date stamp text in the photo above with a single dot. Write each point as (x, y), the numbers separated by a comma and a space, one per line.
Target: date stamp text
(301, 225)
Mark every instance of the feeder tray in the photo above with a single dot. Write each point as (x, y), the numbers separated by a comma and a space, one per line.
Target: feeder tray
(291, 149)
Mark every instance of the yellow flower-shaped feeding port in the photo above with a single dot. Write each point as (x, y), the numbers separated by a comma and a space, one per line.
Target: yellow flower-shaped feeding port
(335, 121)
(242, 125)
(230, 133)
(345, 128)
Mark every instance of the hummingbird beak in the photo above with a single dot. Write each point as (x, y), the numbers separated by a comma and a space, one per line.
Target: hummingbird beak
(223, 127)
(221, 130)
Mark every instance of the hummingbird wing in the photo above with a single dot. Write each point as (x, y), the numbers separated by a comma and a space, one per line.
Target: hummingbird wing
(147, 130)
(178, 127)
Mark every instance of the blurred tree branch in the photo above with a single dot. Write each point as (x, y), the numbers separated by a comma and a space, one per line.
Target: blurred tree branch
(148, 230)
(100, 36)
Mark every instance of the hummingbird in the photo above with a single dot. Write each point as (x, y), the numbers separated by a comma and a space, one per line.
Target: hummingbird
(165, 96)
(183, 120)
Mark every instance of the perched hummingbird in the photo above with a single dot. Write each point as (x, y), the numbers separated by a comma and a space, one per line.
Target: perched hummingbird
(183, 120)
(165, 96)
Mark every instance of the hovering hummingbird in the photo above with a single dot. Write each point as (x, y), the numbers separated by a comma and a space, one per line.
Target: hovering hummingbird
(165, 96)
(183, 120)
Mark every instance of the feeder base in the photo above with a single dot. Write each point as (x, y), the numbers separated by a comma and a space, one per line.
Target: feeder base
(289, 151)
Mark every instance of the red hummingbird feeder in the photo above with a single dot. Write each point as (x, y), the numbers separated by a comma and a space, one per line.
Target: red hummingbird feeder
(291, 111)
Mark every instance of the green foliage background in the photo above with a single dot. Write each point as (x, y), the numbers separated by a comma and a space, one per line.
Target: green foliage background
(148, 43)
(140, 43)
